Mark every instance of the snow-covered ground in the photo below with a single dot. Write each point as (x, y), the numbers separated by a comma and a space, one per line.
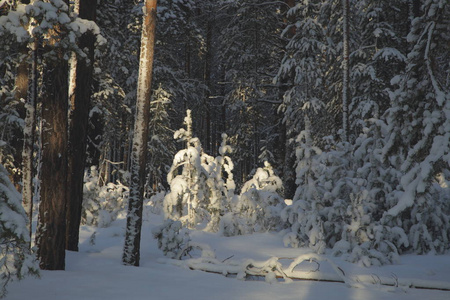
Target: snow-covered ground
(96, 272)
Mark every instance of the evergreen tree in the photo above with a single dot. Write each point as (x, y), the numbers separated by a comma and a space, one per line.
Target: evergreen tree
(303, 75)
(160, 146)
(188, 199)
(418, 137)
(102, 203)
(51, 235)
(16, 259)
(303, 216)
(222, 185)
(377, 57)
(13, 91)
(259, 206)
(364, 239)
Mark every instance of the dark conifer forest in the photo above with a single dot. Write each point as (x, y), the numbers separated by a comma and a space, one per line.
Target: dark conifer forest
(326, 120)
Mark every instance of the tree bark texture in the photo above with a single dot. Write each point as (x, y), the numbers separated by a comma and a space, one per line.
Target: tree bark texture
(80, 102)
(52, 210)
(131, 253)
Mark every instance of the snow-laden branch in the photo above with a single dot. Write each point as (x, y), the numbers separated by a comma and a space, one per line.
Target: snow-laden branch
(440, 95)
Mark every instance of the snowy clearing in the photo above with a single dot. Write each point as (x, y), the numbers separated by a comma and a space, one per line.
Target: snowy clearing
(96, 272)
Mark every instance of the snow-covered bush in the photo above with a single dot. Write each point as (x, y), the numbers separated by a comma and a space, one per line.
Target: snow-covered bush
(16, 259)
(155, 203)
(172, 238)
(102, 204)
(258, 207)
(221, 185)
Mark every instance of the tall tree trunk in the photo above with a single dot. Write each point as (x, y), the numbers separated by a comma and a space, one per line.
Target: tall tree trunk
(20, 95)
(28, 170)
(52, 209)
(131, 251)
(346, 69)
(79, 97)
(207, 81)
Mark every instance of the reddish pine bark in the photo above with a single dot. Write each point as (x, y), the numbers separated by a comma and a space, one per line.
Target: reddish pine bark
(52, 209)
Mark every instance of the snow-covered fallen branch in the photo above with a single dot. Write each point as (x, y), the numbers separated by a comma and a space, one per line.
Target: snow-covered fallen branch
(273, 271)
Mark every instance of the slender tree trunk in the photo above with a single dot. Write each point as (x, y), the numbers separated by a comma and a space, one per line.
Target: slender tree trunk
(81, 78)
(131, 252)
(346, 69)
(28, 170)
(52, 209)
(207, 80)
(20, 95)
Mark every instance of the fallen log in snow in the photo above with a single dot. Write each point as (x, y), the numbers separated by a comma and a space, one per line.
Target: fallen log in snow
(273, 271)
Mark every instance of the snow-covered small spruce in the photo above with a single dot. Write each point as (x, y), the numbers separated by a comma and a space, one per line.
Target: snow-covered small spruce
(172, 238)
(222, 185)
(16, 259)
(187, 200)
(303, 216)
(258, 207)
(102, 204)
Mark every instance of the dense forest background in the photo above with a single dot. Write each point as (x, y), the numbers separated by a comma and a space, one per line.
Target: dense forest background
(347, 103)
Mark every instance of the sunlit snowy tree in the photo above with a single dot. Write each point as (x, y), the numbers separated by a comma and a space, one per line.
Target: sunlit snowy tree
(222, 185)
(188, 197)
(258, 207)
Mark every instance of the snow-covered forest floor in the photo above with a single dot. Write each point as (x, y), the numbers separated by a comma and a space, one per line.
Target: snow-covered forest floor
(96, 272)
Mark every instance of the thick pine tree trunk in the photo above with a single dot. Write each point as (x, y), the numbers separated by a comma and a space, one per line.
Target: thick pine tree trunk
(81, 78)
(52, 209)
(131, 251)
